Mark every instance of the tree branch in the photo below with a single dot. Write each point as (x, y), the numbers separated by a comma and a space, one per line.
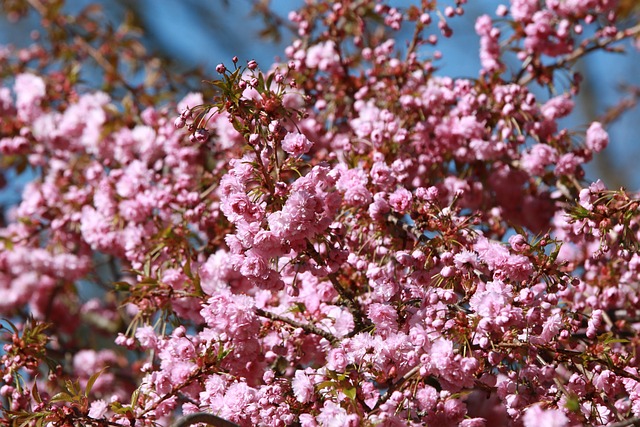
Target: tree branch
(356, 312)
(307, 327)
(583, 50)
(202, 417)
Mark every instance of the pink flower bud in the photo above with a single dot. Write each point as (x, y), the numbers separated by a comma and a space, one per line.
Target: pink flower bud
(201, 135)
(179, 123)
(186, 113)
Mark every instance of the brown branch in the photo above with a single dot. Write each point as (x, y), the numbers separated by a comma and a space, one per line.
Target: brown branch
(583, 50)
(100, 60)
(356, 312)
(202, 417)
(626, 104)
(635, 421)
(307, 327)
(407, 228)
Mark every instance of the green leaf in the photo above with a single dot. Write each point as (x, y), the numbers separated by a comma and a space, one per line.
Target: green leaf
(122, 286)
(13, 327)
(326, 384)
(186, 269)
(147, 268)
(61, 397)
(35, 393)
(92, 380)
(554, 254)
(298, 307)
(8, 243)
(617, 340)
(134, 397)
(350, 392)
(233, 77)
(572, 403)
(269, 80)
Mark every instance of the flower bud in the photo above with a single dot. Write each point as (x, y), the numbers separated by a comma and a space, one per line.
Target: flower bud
(201, 135)
(179, 123)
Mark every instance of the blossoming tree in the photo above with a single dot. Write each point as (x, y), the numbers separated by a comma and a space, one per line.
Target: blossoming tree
(345, 239)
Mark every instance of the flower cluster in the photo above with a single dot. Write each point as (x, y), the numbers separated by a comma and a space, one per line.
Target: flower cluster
(346, 239)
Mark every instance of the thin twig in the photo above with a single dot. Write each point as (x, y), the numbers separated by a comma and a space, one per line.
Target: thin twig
(203, 417)
(583, 50)
(98, 57)
(406, 227)
(626, 104)
(307, 327)
(635, 421)
(356, 312)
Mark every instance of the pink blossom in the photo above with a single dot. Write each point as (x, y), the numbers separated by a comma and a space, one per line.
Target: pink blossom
(597, 138)
(332, 415)
(231, 316)
(465, 259)
(337, 360)
(322, 56)
(523, 10)
(147, 337)
(296, 144)
(535, 416)
(491, 298)
(550, 329)
(538, 158)
(30, 90)
(557, 107)
(384, 317)
(400, 200)
(427, 397)
(302, 387)
(98, 409)
(567, 164)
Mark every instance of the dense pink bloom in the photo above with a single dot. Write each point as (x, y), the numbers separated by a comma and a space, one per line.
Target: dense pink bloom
(344, 239)
(147, 337)
(491, 298)
(523, 10)
(538, 158)
(322, 56)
